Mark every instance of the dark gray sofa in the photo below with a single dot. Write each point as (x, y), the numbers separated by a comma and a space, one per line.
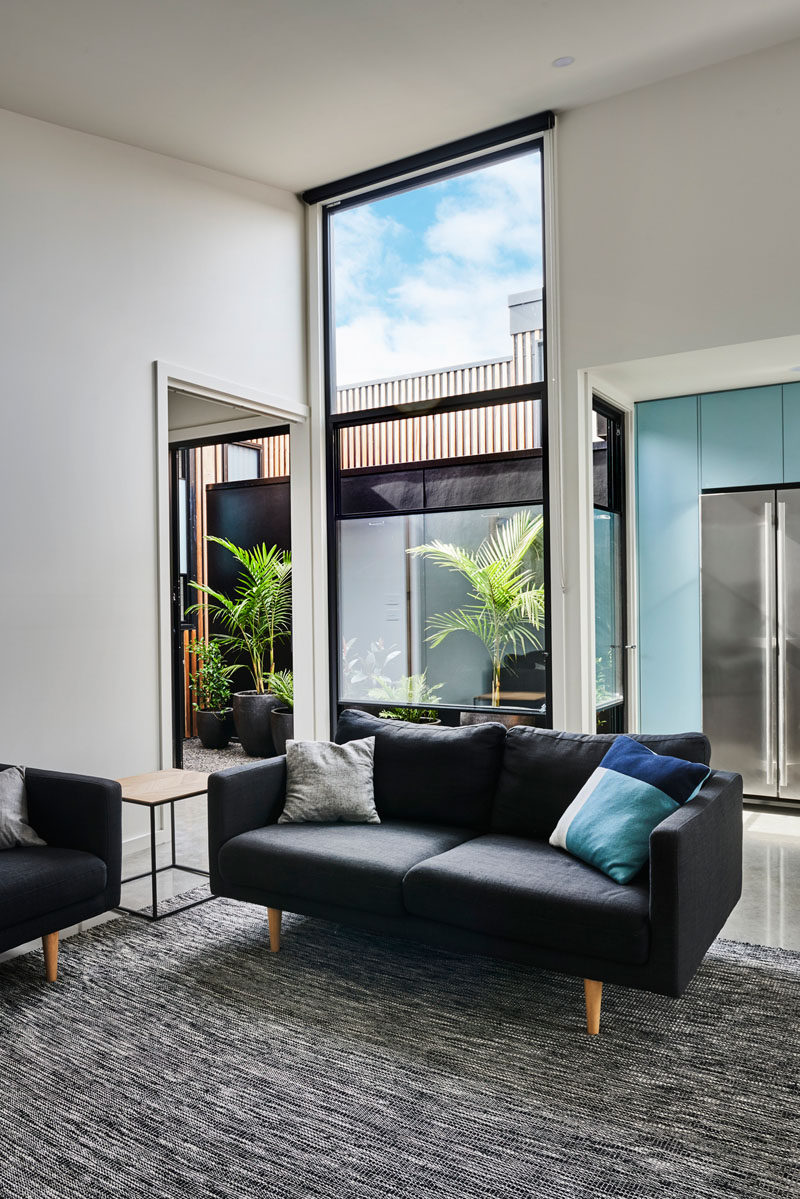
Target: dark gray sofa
(461, 858)
(76, 875)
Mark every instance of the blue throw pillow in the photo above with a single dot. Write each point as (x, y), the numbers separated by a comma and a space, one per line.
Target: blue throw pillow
(609, 822)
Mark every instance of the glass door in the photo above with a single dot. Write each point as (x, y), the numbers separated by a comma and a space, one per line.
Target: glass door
(608, 477)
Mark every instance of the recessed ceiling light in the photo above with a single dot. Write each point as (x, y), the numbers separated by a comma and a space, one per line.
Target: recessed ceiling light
(796, 369)
(566, 61)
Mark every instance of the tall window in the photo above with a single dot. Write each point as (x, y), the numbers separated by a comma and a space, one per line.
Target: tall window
(609, 567)
(437, 418)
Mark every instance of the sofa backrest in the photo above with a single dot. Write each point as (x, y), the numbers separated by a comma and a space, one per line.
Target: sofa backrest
(543, 770)
(436, 775)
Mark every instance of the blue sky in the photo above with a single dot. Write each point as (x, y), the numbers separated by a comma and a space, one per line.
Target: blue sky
(422, 278)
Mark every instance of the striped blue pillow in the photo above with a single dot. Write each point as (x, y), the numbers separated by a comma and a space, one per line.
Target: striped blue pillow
(609, 822)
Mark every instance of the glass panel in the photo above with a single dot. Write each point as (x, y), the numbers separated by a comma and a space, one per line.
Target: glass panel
(183, 544)
(472, 457)
(437, 290)
(244, 462)
(600, 462)
(398, 593)
(609, 654)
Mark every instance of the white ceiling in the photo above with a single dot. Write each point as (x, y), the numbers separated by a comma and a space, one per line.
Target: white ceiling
(719, 368)
(299, 92)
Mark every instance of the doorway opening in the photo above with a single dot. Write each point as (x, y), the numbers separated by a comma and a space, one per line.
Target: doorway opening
(610, 572)
(229, 505)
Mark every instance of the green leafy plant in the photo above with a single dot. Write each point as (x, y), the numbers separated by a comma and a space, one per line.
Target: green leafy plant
(210, 681)
(259, 614)
(412, 690)
(506, 598)
(281, 684)
(360, 670)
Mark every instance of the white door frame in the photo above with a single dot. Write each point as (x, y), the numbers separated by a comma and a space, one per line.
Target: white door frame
(592, 384)
(223, 392)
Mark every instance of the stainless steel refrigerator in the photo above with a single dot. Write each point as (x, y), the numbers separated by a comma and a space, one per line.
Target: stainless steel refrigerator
(751, 636)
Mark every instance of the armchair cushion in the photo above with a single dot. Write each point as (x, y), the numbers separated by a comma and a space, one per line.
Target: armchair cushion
(526, 891)
(37, 880)
(78, 811)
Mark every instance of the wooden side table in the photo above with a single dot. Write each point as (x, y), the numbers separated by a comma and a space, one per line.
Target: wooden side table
(153, 791)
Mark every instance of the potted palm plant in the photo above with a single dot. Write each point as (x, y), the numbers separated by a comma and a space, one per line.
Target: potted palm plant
(211, 692)
(505, 608)
(281, 685)
(255, 620)
(411, 698)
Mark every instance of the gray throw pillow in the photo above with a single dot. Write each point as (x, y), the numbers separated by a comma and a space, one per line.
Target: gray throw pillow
(328, 782)
(14, 827)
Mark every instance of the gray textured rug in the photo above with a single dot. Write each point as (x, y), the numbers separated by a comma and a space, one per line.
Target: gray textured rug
(182, 1059)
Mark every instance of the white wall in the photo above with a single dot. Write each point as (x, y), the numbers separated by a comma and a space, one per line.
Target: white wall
(111, 258)
(677, 231)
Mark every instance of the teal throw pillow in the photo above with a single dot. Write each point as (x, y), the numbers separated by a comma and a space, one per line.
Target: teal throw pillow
(609, 822)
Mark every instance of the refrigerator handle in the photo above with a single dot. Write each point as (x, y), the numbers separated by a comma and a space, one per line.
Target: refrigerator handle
(781, 588)
(769, 644)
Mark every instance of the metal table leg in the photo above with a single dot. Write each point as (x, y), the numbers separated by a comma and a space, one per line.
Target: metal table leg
(153, 862)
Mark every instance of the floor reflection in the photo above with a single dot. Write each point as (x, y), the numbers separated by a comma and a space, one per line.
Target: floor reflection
(769, 911)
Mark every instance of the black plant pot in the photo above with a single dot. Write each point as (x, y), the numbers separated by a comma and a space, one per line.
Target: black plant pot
(282, 728)
(492, 716)
(215, 729)
(251, 714)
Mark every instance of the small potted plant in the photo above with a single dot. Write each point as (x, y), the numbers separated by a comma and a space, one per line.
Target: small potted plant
(412, 691)
(281, 685)
(212, 693)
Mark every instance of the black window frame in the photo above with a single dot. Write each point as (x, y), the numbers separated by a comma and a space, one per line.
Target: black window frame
(525, 137)
(615, 719)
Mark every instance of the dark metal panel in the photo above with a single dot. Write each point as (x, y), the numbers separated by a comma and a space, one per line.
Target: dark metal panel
(484, 484)
(247, 513)
(365, 492)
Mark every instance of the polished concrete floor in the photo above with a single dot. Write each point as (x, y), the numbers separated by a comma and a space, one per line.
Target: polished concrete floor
(769, 911)
(767, 914)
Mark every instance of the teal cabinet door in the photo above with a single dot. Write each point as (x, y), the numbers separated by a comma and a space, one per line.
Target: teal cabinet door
(791, 432)
(668, 552)
(741, 438)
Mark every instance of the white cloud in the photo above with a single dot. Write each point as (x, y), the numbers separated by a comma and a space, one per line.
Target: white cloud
(398, 316)
(363, 247)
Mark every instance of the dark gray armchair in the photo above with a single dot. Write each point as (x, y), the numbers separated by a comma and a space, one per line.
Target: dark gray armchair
(76, 874)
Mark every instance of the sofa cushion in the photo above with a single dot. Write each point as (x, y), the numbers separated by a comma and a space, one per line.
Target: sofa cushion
(35, 880)
(528, 891)
(351, 865)
(442, 775)
(543, 770)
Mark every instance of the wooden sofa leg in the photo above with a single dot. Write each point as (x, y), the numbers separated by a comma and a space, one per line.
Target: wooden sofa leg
(274, 917)
(594, 996)
(50, 947)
